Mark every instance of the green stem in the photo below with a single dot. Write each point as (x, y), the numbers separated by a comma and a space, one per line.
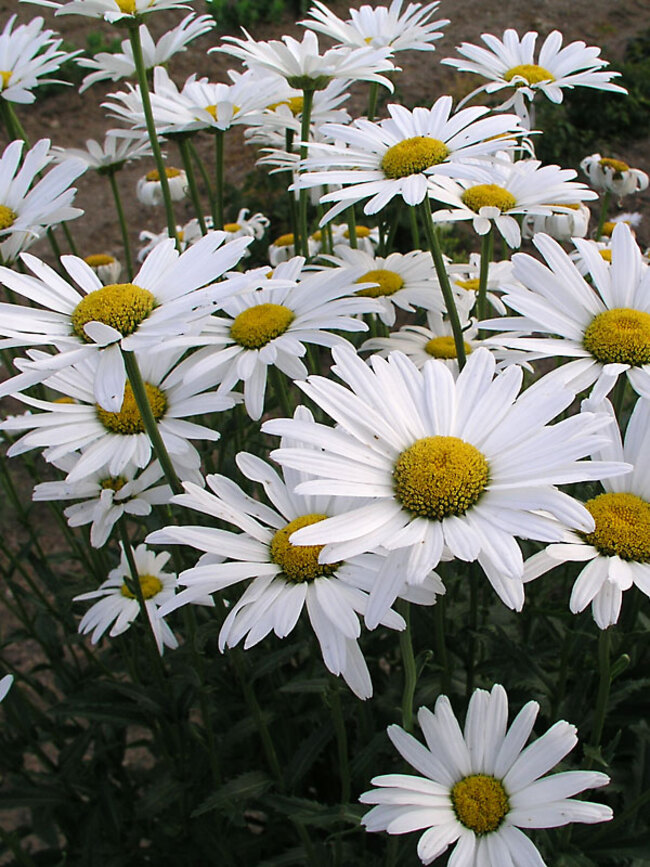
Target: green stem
(69, 239)
(619, 398)
(352, 226)
(150, 423)
(203, 172)
(217, 212)
(307, 103)
(281, 393)
(441, 646)
(473, 626)
(604, 667)
(136, 46)
(487, 242)
(408, 663)
(199, 664)
(122, 221)
(188, 165)
(415, 232)
(372, 100)
(343, 756)
(441, 271)
(603, 214)
(12, 123)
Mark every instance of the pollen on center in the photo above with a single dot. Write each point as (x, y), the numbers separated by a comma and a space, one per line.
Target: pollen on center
(620, 335)
(488, 196)
(256, 326)
(299, 562)
(413, 155)
(480, 803)
(123, 306)
(386, 283)
(128, 420)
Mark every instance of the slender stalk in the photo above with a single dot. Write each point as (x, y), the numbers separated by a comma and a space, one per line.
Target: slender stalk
(217, 210)
(136, 46)
(372, 100)
(352, 226)
(188, 165)
(205, 177)
(619, 398)
(487, 243)
(280, 390)
(343, 756)
(408, 663)
(150, 424)
(603, 213)
(307, 103)
(415, 232)
(124, 229)
(441, 271)
(605, 682)
(441, 647)
(199, 664)
(12, 123)
(473, 626)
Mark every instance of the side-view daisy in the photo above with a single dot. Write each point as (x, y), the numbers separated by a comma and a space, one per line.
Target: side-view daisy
(478, 787)
(113, 11)
(111, 155)
(611, 175)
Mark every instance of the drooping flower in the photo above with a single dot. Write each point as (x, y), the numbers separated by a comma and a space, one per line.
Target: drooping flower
(611, 175)
(149, 188)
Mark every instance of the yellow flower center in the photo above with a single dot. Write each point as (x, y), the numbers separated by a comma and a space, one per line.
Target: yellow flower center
(4, 78)
(608, 228)
(413, 155)
(488, 196)
(622, 526)
(440, 476)
(127, 6)
(284, 240)
(621, 335)
(299, 562)
(95, 260)
(154, 175)
(606, 255)
(362, 232)
(7, 217)
(472, 285)
(256, 326)
(231, 227)
(64, 400)
(149, 584)
(113, 483)
(128, 420)
(617, 165)
(388, 283)
(532, 73)
(121, 305)
(480, 803)
(444, 347)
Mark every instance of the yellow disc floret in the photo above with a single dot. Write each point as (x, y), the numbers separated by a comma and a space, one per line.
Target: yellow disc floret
(128, 420)
(530, 72)
(622, 526)
(123, 306)
(362, 232)
(621, 335)
(113, 483)
(618, 166)
(606, 255)
(7, 217)
(471, 285)
(387, 283)
(149, 584)
(96, 260)
(488, 196)
(299, 562)
(231, 227)
(256, 326)
(480, 803)
(5, 77)
(440, 476)
(284, 240)
(444, 347)
(413, 155)
(155, 176)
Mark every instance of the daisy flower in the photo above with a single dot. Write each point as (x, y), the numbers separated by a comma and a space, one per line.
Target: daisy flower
(111, 155)
(149, 189)
(286, 579)
(402, 281)
(566, 222)
(603, 325)
(113, 11)
(119, 65)
(617, 552)
(463, 464)
(302, 64)
(514, 188)
(632, 218)
(398, 156)
(465, 283)
(105, 498)
(27, 53)
(479, 787)
(107, 267)
(244, 226)
(270, 327)
(283, 248)
(26, 213)
(510, 64)
(118, 606)
(380, 27)
(167, 295)
(610, 175)
(113, 440)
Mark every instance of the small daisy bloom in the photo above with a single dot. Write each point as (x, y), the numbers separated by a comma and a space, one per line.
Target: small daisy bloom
(403, 281)
(115, 439)
(270, 327)
(566, 222)
(399, 156)
(632, 218)
(118, 605)
(286, 578)
(105, 498)
(244, 226)
(113, 11)
(28, 52)
(610, 175)
(367, 236)
(107, 267)
(110, 156)
(463, 464)
(617, 552)
(302, 64)
(149, 188)
(380, 26)
(119, 65)
(604, 325)
(283, 248)
(465, 283)
(170, 292)
(479, 787)
(26, 213)
(522, 187)
(510, 64)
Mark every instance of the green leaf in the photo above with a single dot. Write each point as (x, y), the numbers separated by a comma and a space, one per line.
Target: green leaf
(244, 788)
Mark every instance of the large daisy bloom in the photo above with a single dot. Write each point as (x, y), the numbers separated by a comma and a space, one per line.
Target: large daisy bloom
(463, 464)
(26, 54)
(286, 579)
(514, 188)
(479, 786)
(113, 11)
(612, 175)
(117, 606)
(381, 26)
(511, 64)
(604, 326)
(397, 281)
(398, 156)
(617, 552)
(119, 65)
(170, 292)
(29, 206)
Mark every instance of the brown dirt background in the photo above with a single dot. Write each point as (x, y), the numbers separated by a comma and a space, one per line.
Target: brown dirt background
(69, 119)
